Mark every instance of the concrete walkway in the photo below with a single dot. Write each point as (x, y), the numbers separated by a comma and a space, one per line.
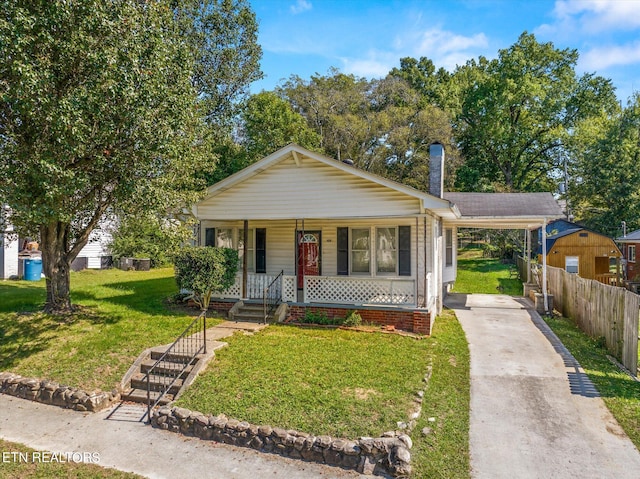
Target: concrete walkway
(122, 442)
(534, 413)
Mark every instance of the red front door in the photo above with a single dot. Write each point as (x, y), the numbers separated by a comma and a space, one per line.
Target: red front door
(308, 255)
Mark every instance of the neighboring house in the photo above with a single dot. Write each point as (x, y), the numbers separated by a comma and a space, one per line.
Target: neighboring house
(631, 253)
(584, 252)
(95, 255)
(342, 238)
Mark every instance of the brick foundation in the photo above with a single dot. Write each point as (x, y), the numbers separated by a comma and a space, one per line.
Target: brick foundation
(416, 321)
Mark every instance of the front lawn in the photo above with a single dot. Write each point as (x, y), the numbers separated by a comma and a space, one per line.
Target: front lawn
(122, 313)
(348, 384)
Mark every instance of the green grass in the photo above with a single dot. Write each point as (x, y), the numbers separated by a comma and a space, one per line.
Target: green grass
(322, 381)
(122, 313)
(620, 393)
(484, 275)
(25, 467)
(445, 452)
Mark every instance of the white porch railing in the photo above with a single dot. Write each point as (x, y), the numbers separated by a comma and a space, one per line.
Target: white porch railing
(353, 290)
(256, 283)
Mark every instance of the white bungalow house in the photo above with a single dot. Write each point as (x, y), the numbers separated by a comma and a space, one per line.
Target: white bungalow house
(335, 237)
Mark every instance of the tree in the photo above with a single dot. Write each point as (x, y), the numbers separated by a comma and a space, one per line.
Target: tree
(269, 123)
(150, 236)
(204, 270)
(604, 187)
(223, 38)
(97, 114)
(516, 112)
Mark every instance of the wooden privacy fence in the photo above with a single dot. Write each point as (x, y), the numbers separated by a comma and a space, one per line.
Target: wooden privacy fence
(600, 310)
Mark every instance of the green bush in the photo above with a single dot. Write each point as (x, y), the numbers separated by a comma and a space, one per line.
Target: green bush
(204, 269)
(352, 319)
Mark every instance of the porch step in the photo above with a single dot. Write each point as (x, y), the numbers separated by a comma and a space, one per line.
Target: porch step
(251, 312)
(177, 358)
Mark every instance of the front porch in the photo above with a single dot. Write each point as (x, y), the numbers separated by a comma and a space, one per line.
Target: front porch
(383, 301)
(349, 290)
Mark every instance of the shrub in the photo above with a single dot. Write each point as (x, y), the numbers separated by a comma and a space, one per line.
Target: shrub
(204, 269)
(352, 319)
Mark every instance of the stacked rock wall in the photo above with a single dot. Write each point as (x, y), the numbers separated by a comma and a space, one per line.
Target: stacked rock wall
(49, 392)
(389, 453)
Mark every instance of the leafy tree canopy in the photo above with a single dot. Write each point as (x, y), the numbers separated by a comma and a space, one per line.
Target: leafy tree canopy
(101, 111)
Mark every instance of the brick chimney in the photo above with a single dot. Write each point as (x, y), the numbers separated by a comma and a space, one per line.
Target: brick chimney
(436, 169)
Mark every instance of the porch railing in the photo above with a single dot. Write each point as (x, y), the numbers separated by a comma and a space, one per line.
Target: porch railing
(272, 296)
(353, 290)
(172, 364)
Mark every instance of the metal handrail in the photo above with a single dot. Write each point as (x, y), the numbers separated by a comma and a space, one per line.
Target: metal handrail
(184, 344)
(272, 296)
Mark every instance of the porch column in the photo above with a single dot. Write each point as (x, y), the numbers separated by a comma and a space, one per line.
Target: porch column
(544, 266)
(244, 259)
(528, 253)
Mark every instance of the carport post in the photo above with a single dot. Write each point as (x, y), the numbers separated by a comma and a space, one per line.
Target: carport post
(527, 240)
(544, 266)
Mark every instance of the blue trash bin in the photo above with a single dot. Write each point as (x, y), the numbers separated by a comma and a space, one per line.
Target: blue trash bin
(33, 269)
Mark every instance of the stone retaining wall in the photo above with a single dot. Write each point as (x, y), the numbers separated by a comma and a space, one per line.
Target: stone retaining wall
(386, 454)
(49, 392)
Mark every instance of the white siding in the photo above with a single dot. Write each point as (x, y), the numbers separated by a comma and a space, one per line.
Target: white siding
(449, 272)
(8, 257)
(96, 248)
(281, 241)
(310, 190)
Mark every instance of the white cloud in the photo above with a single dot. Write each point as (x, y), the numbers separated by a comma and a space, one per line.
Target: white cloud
(593, 16)
(444, 48)
(301, 6)
(604, 57)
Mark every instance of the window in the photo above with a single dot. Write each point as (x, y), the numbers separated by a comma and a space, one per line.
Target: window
(571, 264)
(632, 253)
(224, 238)
(355, 251)
(210, 237)
(386, 250)
(448, 255)
(360, 250)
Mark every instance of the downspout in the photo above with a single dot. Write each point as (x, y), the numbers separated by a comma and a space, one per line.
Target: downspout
(417, 252)
(544, 266)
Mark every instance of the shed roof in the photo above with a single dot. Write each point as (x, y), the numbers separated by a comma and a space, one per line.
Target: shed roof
(505, 210)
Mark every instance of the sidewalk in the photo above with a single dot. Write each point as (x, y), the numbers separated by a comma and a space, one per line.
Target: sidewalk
(534, 412)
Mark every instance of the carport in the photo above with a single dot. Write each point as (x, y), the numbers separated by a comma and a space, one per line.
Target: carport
(522, 211)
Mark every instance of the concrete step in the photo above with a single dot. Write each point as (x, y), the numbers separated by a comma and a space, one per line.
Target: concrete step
(156, 383)
(180, 358)
(165, 368)
(243, 315)
(140, 395)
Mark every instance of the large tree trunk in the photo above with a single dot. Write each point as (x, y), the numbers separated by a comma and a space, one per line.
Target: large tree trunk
(56, 263)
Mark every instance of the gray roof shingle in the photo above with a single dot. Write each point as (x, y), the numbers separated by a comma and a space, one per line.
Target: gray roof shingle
(505, 205)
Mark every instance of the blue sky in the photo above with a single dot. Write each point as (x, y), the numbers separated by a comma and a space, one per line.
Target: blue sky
(368, 37)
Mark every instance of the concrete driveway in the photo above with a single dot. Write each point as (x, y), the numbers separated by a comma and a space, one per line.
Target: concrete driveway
(534, 413)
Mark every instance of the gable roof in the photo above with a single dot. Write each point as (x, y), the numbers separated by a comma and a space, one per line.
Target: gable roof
(633, 237)
(300, 156)
(505, 210)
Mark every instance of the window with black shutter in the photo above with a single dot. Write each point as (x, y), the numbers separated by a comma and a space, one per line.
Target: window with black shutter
(261, 250)
(343, 251)
(210, 237)
(404, 250)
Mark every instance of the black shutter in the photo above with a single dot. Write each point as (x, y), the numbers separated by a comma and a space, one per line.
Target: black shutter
(343, 251)
(210, 237)
(404, 250)
(261, 250)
